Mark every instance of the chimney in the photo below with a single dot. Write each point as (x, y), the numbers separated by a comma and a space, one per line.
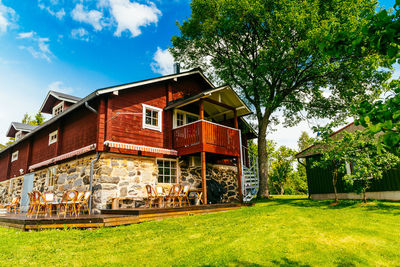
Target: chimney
(177, 68)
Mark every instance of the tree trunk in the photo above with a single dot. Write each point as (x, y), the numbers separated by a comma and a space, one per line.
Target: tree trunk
(263, 159)
(282, 190)
(365, 196)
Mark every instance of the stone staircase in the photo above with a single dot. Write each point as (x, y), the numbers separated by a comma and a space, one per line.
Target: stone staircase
(250, 174)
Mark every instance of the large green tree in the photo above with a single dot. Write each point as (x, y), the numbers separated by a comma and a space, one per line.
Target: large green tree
(272, 52)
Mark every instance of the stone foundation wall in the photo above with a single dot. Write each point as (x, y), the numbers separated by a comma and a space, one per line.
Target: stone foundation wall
(10, 189)
(117, 175)
(223, 174)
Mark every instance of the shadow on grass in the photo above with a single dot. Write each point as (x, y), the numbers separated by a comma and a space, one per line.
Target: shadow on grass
(282, 262)
(373, 205)
(286, 262)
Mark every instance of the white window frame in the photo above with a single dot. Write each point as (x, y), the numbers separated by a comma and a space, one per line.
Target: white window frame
(14, 156)
(58, 106)
(52, 134)
(51, 178)
(176, 170)
(18, 135)
(149, 126)
(185, 113)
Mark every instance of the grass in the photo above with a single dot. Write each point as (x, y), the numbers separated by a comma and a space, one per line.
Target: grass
(284, 231)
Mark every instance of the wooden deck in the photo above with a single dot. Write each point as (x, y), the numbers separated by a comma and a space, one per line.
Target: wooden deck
(108, 218)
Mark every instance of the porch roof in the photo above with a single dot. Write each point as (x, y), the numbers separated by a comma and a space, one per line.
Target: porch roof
(221, 102)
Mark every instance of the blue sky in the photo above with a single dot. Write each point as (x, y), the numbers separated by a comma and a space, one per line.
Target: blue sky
(77, 46)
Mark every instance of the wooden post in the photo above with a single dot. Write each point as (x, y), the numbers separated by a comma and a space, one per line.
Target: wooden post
(201, 109)
(236, 120)
(203, 176)
(239, 178)
(203, 155)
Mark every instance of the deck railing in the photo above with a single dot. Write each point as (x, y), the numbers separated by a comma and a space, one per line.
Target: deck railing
(214, 135)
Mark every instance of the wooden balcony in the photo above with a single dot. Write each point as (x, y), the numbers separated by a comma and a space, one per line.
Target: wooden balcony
(204, 136)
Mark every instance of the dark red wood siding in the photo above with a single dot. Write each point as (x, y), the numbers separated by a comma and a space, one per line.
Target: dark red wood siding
(21, 163)
(41, 150)
(129, 128)
(3, 165)
(78, 130)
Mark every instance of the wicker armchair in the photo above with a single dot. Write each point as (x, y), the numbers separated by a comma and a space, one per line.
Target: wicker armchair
(84, 202)
(152, 197)
(14, 205)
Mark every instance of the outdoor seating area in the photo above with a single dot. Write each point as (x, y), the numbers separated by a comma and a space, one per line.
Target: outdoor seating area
(171, 196)
(72, 203)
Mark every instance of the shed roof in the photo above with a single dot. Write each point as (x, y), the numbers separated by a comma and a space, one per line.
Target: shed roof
(312, 150)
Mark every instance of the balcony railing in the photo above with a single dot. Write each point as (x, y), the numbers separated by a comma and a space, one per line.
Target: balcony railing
(206, 136)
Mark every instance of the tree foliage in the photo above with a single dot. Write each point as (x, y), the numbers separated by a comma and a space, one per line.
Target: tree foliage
(358, 150)
(281, 168)
(272, 52)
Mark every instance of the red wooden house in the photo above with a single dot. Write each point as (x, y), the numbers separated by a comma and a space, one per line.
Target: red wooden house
(178, 128)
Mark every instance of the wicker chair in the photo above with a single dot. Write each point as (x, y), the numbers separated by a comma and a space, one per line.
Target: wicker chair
(152, 197)
(173, 196)
(68, 203)
(14, 205)
(184, 196)
(84, 202)
(42, 206)
(32, 204)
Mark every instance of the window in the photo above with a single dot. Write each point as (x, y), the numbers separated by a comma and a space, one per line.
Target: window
(58, 109)
(152, 117)
(167, 169)
(180, 119)
(14, 156)
(183, 117)
(18, 135)
(53, 137)
(51, 177)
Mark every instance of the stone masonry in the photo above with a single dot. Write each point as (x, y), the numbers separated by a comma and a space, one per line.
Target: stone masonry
(116, 175)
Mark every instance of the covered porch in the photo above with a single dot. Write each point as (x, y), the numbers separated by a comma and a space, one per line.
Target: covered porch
(209, 124)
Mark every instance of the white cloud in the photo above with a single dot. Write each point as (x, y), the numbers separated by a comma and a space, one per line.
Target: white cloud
(7, 16)
(80, 34)
(59, 86)
(163, 62)
(39, 48)
(130, 16)
(92, 17)
(58, 14)
(25, 35)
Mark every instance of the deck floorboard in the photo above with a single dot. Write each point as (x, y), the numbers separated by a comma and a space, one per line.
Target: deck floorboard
(108, 218)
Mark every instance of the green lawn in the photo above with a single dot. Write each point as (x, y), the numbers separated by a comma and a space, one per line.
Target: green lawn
(283, 231)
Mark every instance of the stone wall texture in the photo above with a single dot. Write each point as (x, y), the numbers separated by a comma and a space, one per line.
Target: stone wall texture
(223, 174)
(117, 175)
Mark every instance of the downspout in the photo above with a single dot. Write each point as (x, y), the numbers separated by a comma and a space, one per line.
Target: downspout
(91, 164)
(91, 179)
(90, 108)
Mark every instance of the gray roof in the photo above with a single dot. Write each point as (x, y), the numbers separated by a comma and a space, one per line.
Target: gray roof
(69, 97)
(52, 97)
(23, 127)
(18, 126)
